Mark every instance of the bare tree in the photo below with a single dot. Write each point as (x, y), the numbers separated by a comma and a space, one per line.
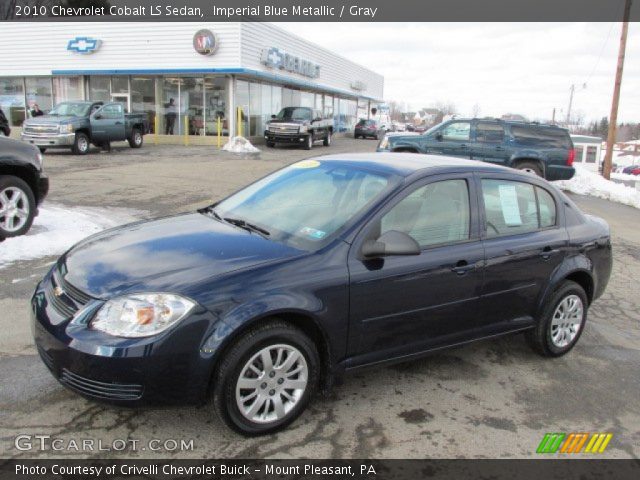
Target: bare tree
(475, 111)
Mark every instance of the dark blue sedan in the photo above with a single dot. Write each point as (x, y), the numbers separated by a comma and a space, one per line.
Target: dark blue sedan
(328, 265)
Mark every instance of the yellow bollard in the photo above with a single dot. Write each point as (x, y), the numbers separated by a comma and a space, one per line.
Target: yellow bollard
(239, 116)
(186, 130)
(156, 125)
(219, 129)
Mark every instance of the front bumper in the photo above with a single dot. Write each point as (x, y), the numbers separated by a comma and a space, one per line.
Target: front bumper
(52, 141)
(297, 138)
(559, 172)
(171, 368)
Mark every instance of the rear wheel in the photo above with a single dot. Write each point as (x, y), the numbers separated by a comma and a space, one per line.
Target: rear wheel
(136, 139)
(17, 206)
(266, 379)
(561, 323)
(81, 144)
(530, 167)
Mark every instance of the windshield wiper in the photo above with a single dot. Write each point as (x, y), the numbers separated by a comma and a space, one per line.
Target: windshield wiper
(246, 225)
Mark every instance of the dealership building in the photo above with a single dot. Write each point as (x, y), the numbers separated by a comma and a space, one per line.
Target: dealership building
(221, 76)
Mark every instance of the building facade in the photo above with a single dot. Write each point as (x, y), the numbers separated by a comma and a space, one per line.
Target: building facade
(189, 78)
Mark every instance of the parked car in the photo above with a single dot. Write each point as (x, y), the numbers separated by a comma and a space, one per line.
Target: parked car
(368, 129)
(544, 150)
(300, 126)
(77, 125)
(5, 131)
(23, 186)
(420, 128)
(325, 266)
(632, 170)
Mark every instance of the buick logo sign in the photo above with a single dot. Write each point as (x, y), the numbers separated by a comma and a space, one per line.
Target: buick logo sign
(205, 42)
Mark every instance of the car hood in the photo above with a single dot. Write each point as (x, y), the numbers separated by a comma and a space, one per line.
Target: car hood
(51, 119)
(171, 254)
(290, 120)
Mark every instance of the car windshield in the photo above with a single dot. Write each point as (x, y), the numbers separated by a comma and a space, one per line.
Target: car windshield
(306, 203)
(294, 113)
(71, 109)
(432, 129)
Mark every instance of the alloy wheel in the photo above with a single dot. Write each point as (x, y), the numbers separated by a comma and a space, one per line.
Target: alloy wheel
(83, 144)
(567, 321)
(271, 383)
(14, 209)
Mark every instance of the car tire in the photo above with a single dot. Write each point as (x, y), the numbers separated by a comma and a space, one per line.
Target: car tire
(530, 167)
(562, 321)
(136, 139)
(266, 415)
(42, 149)
(327, 140)
(356, 136)
(17, 201)
(308, 142)
(271, 144)
(81, 144)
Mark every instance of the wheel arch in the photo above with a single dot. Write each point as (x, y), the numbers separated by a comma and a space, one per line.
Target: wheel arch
(576, 269)
(529, 159)
(28, 175)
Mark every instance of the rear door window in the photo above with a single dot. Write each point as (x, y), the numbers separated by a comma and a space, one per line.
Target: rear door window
(489, 132)
(513, 208)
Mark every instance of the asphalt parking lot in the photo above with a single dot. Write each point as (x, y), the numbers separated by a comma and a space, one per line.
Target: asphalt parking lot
(494, 399)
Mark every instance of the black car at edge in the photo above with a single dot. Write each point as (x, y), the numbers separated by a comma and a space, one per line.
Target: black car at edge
(326, 266)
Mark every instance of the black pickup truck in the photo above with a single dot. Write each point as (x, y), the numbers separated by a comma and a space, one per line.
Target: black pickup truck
(300, 126)
(79, 124)
(23, 186)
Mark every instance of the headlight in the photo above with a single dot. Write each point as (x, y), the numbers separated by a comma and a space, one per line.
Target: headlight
(141, 315)
(384, 143)
(303, 128)
(66, 128)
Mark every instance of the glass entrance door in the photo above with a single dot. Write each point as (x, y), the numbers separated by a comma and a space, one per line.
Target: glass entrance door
(123, 98)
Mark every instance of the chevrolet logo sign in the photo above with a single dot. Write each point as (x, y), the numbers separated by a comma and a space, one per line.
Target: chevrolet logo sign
(83, 45)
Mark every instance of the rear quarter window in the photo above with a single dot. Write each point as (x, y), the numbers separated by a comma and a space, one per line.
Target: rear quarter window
(541, 137)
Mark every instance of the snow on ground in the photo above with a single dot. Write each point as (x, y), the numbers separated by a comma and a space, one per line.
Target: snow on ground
(239, 145)
(59, 227)
(585, 182)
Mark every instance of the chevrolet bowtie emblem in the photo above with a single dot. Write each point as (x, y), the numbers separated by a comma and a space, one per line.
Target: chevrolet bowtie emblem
(58, 292)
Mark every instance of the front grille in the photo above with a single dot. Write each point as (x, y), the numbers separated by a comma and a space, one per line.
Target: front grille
(40, 130)
(46, 358)
(284, 128)
(64, 297)
(103, 390)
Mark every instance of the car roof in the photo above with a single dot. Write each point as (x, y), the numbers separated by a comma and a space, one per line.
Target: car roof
(406, 164)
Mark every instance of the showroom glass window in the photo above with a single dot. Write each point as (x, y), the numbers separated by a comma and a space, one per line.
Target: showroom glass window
(435, 214)
(169, 116)
(192, 105)
(12, 100)
(143, 99)
(38, 91)
(215, 105)
(67, 89)
(100, 88)
(242, 103)
(513, 208)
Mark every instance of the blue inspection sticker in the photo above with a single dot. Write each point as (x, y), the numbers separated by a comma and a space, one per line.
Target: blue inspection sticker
(313, 233)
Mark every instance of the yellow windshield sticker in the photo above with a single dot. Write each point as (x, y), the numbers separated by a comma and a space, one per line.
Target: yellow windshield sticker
(306, 164)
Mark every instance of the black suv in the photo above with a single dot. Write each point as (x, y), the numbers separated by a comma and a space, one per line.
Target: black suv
(546, 150)
(23, 186)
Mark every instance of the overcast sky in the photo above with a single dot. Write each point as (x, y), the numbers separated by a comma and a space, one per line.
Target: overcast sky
(525, 68)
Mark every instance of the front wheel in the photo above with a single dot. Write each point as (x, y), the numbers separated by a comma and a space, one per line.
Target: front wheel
(81, 144)
(327, 139)
(17, 207)
(271, 144)
(562, 321)
(266, 379)
(308, 142)
(136, 139)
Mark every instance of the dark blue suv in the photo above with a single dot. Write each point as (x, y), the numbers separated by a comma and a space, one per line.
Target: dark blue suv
(546, 150)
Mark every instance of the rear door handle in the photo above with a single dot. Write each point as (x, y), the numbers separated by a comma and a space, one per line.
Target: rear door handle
(547, 252)
(464, 145)
(462, 267)
(118, 123)
(499, 149)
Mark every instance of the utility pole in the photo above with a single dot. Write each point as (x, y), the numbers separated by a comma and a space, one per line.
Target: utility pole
(553, 116)
(573, 89)
(613, 119)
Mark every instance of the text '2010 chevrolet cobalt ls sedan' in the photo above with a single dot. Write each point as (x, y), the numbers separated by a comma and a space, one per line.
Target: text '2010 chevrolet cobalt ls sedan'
(328, 265)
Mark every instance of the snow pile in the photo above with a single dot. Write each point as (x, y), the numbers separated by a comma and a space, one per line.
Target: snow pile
(585, 182)
(58, 227)
(239, 145)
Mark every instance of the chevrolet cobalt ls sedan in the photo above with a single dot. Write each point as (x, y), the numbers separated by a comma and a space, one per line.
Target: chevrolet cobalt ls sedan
(326, 266)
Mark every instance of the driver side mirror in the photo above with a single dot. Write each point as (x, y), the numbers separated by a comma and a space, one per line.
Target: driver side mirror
(390, 243)
(439, 137)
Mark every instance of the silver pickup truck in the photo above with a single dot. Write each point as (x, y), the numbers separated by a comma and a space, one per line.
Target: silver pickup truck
(78, 124)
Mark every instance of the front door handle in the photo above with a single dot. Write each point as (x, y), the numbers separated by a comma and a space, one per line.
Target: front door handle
(499, 149)
(464, 145)
(462, 267)
(547, 252)
(118, 123)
